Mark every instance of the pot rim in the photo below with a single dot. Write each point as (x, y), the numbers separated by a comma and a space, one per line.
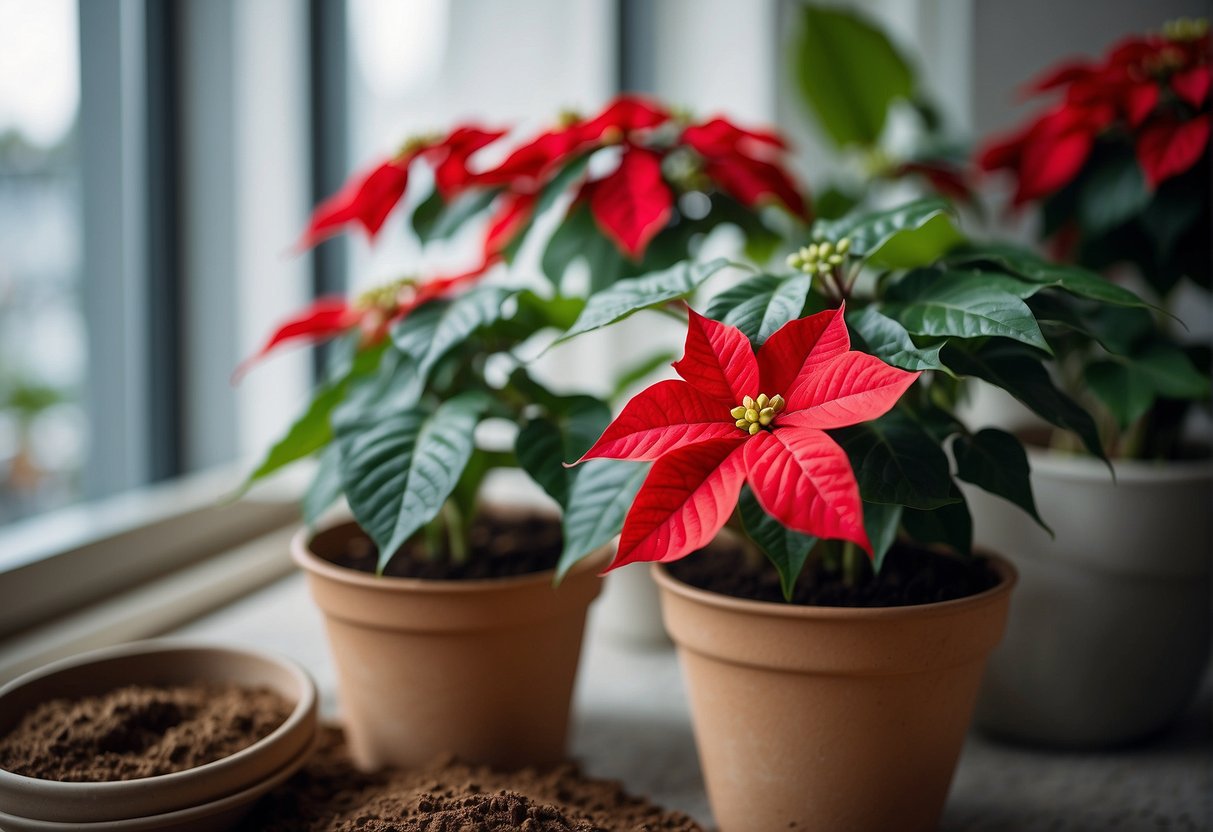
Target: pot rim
(1081, 468)
(309, 561)
(113, 789)
(1007, 572)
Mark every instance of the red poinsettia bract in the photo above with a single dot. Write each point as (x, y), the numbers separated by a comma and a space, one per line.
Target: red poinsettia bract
(368, 199)
(737, 417)
(1154, 89)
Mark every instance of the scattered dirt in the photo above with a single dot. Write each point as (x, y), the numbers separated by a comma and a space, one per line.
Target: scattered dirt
(500, 545)
(139, 731)
(910, 575)
(330, 795)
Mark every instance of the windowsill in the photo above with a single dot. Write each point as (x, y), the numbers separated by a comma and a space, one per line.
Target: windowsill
(631, 723)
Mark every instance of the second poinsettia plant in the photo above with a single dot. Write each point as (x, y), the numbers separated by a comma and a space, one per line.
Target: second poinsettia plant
(814, 411)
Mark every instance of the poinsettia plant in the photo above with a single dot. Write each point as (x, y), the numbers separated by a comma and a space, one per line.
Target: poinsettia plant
(1118, 170)
(420, 364)
(819, 403)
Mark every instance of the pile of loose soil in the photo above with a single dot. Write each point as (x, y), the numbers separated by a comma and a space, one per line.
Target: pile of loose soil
(909, 575)
(139, 731)
(330, 795)
(499, 545)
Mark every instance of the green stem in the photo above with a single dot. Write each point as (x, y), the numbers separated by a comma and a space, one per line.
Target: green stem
(456, 532)
(852, 566)
(670, 312)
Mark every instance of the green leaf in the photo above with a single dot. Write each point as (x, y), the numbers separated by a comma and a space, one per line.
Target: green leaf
(309, 433)
(849, 74)
(953, 304)
(897, 462)
(919, 246)
(435, 328)
(437, 219)
(1023, 375)
(880, 521)
(396, 386)
(889, 341)
(995, 460)
(1073, 279)
(325, 488)
(871, 231)
(1122, 387)
(578, 237)
(544, 444)
(639, 371)
(786, 549)
(1113, 192)
(761, 304)
(633, 294)
(951, 525)
(1171, 372)
(599, 499)
(397, 470)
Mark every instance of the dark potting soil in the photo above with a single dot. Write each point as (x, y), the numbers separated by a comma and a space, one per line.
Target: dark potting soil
(139, 731)
(499, 545)
(330, 795)
(909, 575)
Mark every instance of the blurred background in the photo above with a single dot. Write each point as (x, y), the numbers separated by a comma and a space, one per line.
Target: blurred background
(158, 159)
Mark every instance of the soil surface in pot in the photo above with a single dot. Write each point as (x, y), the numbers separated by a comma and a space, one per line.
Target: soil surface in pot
(910, 575)
(139, 731)
(499, 545)
(330, 795)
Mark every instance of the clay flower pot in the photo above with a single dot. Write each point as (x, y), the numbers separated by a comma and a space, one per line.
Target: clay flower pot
(211, 797)
(829, 718)
(482, 669)
(1108, 635)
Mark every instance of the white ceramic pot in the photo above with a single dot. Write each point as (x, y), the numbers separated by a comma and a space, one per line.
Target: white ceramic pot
(1109, 629)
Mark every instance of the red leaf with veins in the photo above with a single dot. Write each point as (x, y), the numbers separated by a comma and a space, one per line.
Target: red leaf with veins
(366, 200)
(1192, 85)
(1168, 148)
(684, 501)
(632, 204)
(664, 417)
(800, 476)
(804, 480)
(799, 347)
(718, 360)
(853, 387)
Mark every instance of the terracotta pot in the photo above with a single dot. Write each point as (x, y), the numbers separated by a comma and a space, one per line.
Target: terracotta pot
(482, 669)
(827, 718)
(1108, 635)
(211, 796)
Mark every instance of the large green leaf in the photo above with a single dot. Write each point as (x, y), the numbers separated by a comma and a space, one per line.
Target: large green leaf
(325, 487)
(888, 340)
(1172, 373)
(951, 525)
(546, 443)
(599, 499)
(633, 294)
(397, 470)
(786, 549)
(1113, 191)
(953, 305)
(578, 237)
(395, 387)
(849, 74)
(880, 521)
(431, 331)
(437, 219)
(919, 246)
(898, 462)
(1022, 374)
(761, 304)
(996, 461)
(1073, 279)
(1122, 387)
(870, 231)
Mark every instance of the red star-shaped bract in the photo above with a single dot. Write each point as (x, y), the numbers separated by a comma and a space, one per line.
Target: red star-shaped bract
(800, 475)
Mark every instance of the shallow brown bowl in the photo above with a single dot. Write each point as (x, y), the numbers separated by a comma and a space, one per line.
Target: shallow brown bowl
(45, 804)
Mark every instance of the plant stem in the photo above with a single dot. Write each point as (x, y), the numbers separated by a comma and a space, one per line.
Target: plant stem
(456, 533)
(851, 564)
